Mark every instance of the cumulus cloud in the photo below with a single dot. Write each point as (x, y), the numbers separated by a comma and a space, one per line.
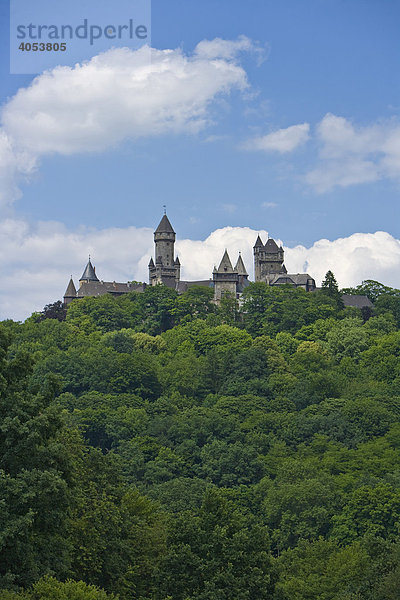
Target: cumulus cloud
(228, 49)
(37, 261)
(282, 140)
(116, 95)
(352, 259)
(342, 154)
(350, 154)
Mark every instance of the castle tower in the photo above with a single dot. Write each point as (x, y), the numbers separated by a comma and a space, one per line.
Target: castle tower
(166, 269)
(70, 292)
(89, 274)
(268, 259)
(225, 278)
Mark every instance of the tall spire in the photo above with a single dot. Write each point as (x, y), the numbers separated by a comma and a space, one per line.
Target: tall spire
(225, 265)
(258, 242)
(89, 273)
(70, 292)
(164, 225)
(239, 267)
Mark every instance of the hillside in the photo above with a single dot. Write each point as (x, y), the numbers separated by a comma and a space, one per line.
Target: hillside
(158, 447)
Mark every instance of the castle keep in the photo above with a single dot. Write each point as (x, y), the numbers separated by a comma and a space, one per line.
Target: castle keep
(165, 269)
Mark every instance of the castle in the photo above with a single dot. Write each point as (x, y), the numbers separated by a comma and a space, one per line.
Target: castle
(268, 267)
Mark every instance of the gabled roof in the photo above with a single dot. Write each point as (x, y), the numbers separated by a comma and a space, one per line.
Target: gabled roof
(70, 292)
(271, 246)
(164, 226)
(151, 263)
(225, 265)
(176, 261)
(258, 242)
(89, 273)
(239, 267)
(294, 278)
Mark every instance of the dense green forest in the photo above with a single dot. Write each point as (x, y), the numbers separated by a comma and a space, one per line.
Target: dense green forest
(158, 447)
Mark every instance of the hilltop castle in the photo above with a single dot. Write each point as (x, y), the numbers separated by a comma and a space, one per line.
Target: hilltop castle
(268, 267)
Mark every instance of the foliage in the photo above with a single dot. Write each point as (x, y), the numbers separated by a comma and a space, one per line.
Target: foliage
(157, 446)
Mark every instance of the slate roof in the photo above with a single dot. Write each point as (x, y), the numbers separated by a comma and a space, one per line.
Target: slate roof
(70, 292)
(258, 242)
(89, 273)
(356, 301)
(98, 288)
(164, 226)
(225, 266)
(291, 278)
(239, 267)
(271, 246)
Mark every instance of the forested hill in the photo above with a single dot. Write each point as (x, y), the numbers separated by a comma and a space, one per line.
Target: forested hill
(157, 447)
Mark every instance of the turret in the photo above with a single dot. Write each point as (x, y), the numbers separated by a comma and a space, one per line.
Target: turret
(70, 292)
(243, 276)
(225, 278)
(177, 266)
(89, 274)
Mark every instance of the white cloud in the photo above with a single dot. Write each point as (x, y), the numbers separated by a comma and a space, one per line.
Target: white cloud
(269, 205)
(350, 155)
(219, 48)
(352, 259)
(118, 94)
(343, 154)
(228, 49)
(36, 261)
(12, 161)
(282, 140)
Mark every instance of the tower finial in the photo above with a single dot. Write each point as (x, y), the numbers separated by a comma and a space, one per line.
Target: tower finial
(165, 209)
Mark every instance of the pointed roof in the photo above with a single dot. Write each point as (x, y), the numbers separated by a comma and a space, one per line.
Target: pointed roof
(239, 267)
(151, 263)
(176, 261)
(70, 292)
(89, 273)
(164, 226)
(258, 242)
(225, 265)
(271, 246)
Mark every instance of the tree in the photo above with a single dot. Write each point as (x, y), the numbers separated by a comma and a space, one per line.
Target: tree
(35, 475)
(57, 310)
(216, 552)
(321, 570)
(49, 588)
(331, 289)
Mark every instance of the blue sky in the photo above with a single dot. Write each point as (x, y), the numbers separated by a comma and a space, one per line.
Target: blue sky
(323, 56)
(308, 59)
